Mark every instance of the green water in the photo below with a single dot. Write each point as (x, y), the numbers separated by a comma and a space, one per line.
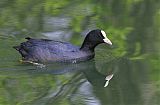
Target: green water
(134, 57)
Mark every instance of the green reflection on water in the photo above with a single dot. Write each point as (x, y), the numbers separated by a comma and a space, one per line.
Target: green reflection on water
(133, 27)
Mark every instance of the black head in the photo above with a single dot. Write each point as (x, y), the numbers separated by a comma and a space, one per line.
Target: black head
(94, 38)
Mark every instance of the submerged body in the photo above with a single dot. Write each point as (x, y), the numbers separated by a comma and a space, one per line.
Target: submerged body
(44, 50)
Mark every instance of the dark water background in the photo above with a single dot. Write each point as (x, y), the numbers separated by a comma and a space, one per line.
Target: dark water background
(134, 59)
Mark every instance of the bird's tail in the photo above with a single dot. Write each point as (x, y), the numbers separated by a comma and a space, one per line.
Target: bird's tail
(17, 47)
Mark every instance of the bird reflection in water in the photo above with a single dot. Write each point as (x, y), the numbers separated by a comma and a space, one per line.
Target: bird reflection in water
(82, 73)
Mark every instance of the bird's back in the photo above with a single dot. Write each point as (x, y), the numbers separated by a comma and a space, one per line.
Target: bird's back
(45, 50)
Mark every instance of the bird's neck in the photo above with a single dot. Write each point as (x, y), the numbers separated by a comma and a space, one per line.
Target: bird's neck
(88, 46)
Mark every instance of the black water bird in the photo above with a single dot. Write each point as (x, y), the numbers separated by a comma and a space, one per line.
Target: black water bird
(45, 50)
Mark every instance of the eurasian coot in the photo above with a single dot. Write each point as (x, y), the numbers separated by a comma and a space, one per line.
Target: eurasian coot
(44, 50)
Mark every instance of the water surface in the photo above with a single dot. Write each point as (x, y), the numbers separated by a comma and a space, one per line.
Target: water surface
(134, 58)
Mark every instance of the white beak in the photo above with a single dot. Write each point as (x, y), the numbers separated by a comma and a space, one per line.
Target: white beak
(106, 40)
(108, 78)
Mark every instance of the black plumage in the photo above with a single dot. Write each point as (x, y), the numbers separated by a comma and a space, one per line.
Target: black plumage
(45, 50)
